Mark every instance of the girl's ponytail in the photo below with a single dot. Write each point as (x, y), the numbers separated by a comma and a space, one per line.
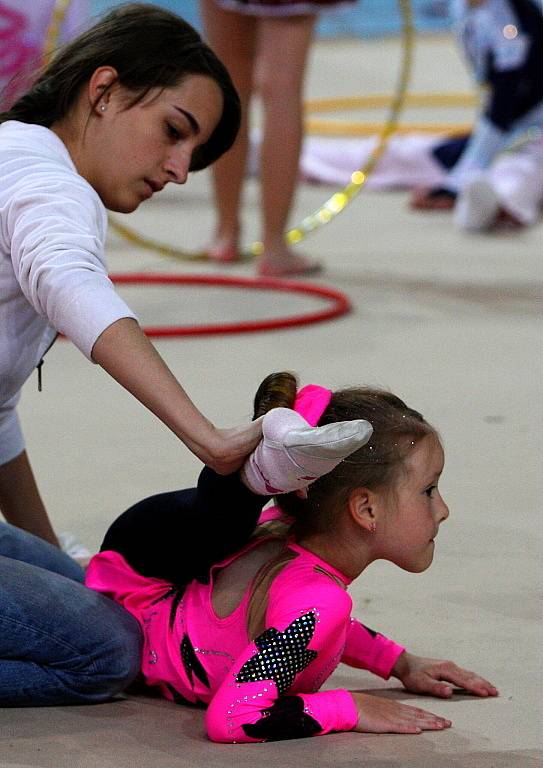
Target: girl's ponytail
(278, 390)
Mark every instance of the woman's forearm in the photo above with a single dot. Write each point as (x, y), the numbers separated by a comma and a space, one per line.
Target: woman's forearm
(20, 500)
(128, 356)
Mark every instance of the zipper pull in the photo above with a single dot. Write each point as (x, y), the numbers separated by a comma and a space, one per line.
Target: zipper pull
(39, 374)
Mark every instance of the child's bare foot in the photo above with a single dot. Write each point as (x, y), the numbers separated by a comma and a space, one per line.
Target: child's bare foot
(506, 222)
(435, 199)
(224, 250)
(287, 265)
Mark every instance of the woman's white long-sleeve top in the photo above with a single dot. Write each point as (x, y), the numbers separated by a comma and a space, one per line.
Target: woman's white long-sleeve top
(53, 275)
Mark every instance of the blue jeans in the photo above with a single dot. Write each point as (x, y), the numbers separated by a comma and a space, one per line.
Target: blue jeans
(60, 643)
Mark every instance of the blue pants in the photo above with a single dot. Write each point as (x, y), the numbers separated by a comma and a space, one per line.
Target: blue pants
(60, 643)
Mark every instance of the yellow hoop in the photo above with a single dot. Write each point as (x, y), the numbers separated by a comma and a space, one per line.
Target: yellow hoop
(316, 127)
(333, 127)
(380, 100)
(52, 35)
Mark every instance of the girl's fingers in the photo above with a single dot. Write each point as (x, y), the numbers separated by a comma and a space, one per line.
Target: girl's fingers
(385, 716)
(433, 686)
(408, 729)
(467, 680)
(433, 722)
(481, 686)
(423, 719)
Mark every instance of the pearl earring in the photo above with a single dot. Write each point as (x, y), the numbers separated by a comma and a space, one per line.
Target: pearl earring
(103, 107)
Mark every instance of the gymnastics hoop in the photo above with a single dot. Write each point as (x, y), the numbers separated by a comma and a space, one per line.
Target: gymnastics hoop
(331, 207)
(380, 100)
(339, 303)
(332, 127)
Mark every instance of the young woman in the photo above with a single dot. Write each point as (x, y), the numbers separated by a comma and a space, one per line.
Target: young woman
(256, 635)
(136, 102)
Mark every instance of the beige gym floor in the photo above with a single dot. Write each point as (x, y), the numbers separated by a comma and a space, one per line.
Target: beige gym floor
(450, 322)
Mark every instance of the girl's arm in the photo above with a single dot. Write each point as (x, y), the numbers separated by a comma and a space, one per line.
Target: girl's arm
(268, 694)
(367, 649)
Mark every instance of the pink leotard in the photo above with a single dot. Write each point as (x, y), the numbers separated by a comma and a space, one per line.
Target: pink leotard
(256, 690)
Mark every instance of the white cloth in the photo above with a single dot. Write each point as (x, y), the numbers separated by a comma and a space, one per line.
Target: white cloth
(406, 162)
(487, 142)
(53, 275)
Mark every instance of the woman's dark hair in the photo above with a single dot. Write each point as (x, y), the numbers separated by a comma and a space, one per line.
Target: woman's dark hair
(396, 430)
(150, 48)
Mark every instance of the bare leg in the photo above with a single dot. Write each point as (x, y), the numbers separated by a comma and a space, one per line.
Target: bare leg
(281, 62)
(233, 38)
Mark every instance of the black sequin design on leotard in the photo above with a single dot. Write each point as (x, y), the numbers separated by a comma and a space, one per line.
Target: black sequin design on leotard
(285, 720)
(178, 698)
(191, 662)
(372, 632)
(281, 654)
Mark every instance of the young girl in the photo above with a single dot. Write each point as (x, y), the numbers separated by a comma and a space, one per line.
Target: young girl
(265, 45)
(136, 102)
(255, 636)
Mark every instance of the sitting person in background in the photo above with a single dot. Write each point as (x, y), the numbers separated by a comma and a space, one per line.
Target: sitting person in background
(503, 43)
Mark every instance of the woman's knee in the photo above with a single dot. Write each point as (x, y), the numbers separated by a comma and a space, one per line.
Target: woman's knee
(24, 547)
(116, 661)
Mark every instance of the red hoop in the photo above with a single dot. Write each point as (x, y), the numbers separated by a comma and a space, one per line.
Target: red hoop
(340, 303)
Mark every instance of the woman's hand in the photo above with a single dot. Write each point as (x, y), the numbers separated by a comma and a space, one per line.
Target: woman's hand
(434, 677)
(378, 715)
(233, 446)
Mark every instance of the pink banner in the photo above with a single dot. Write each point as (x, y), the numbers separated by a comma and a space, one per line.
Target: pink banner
(23, 31)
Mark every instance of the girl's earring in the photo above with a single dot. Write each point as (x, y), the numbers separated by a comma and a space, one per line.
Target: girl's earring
(373, 528)
(103, 107)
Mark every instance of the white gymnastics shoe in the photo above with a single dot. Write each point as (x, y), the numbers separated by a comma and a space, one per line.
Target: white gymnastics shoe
(292, 454)
(73, 548)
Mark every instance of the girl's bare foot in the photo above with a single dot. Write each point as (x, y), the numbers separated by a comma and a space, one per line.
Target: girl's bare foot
(287, 264)
(505, 221)
(435, 199)
(224, 250)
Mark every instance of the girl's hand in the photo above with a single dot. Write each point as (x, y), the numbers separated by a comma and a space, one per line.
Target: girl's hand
(432, 676)
(377, 715)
